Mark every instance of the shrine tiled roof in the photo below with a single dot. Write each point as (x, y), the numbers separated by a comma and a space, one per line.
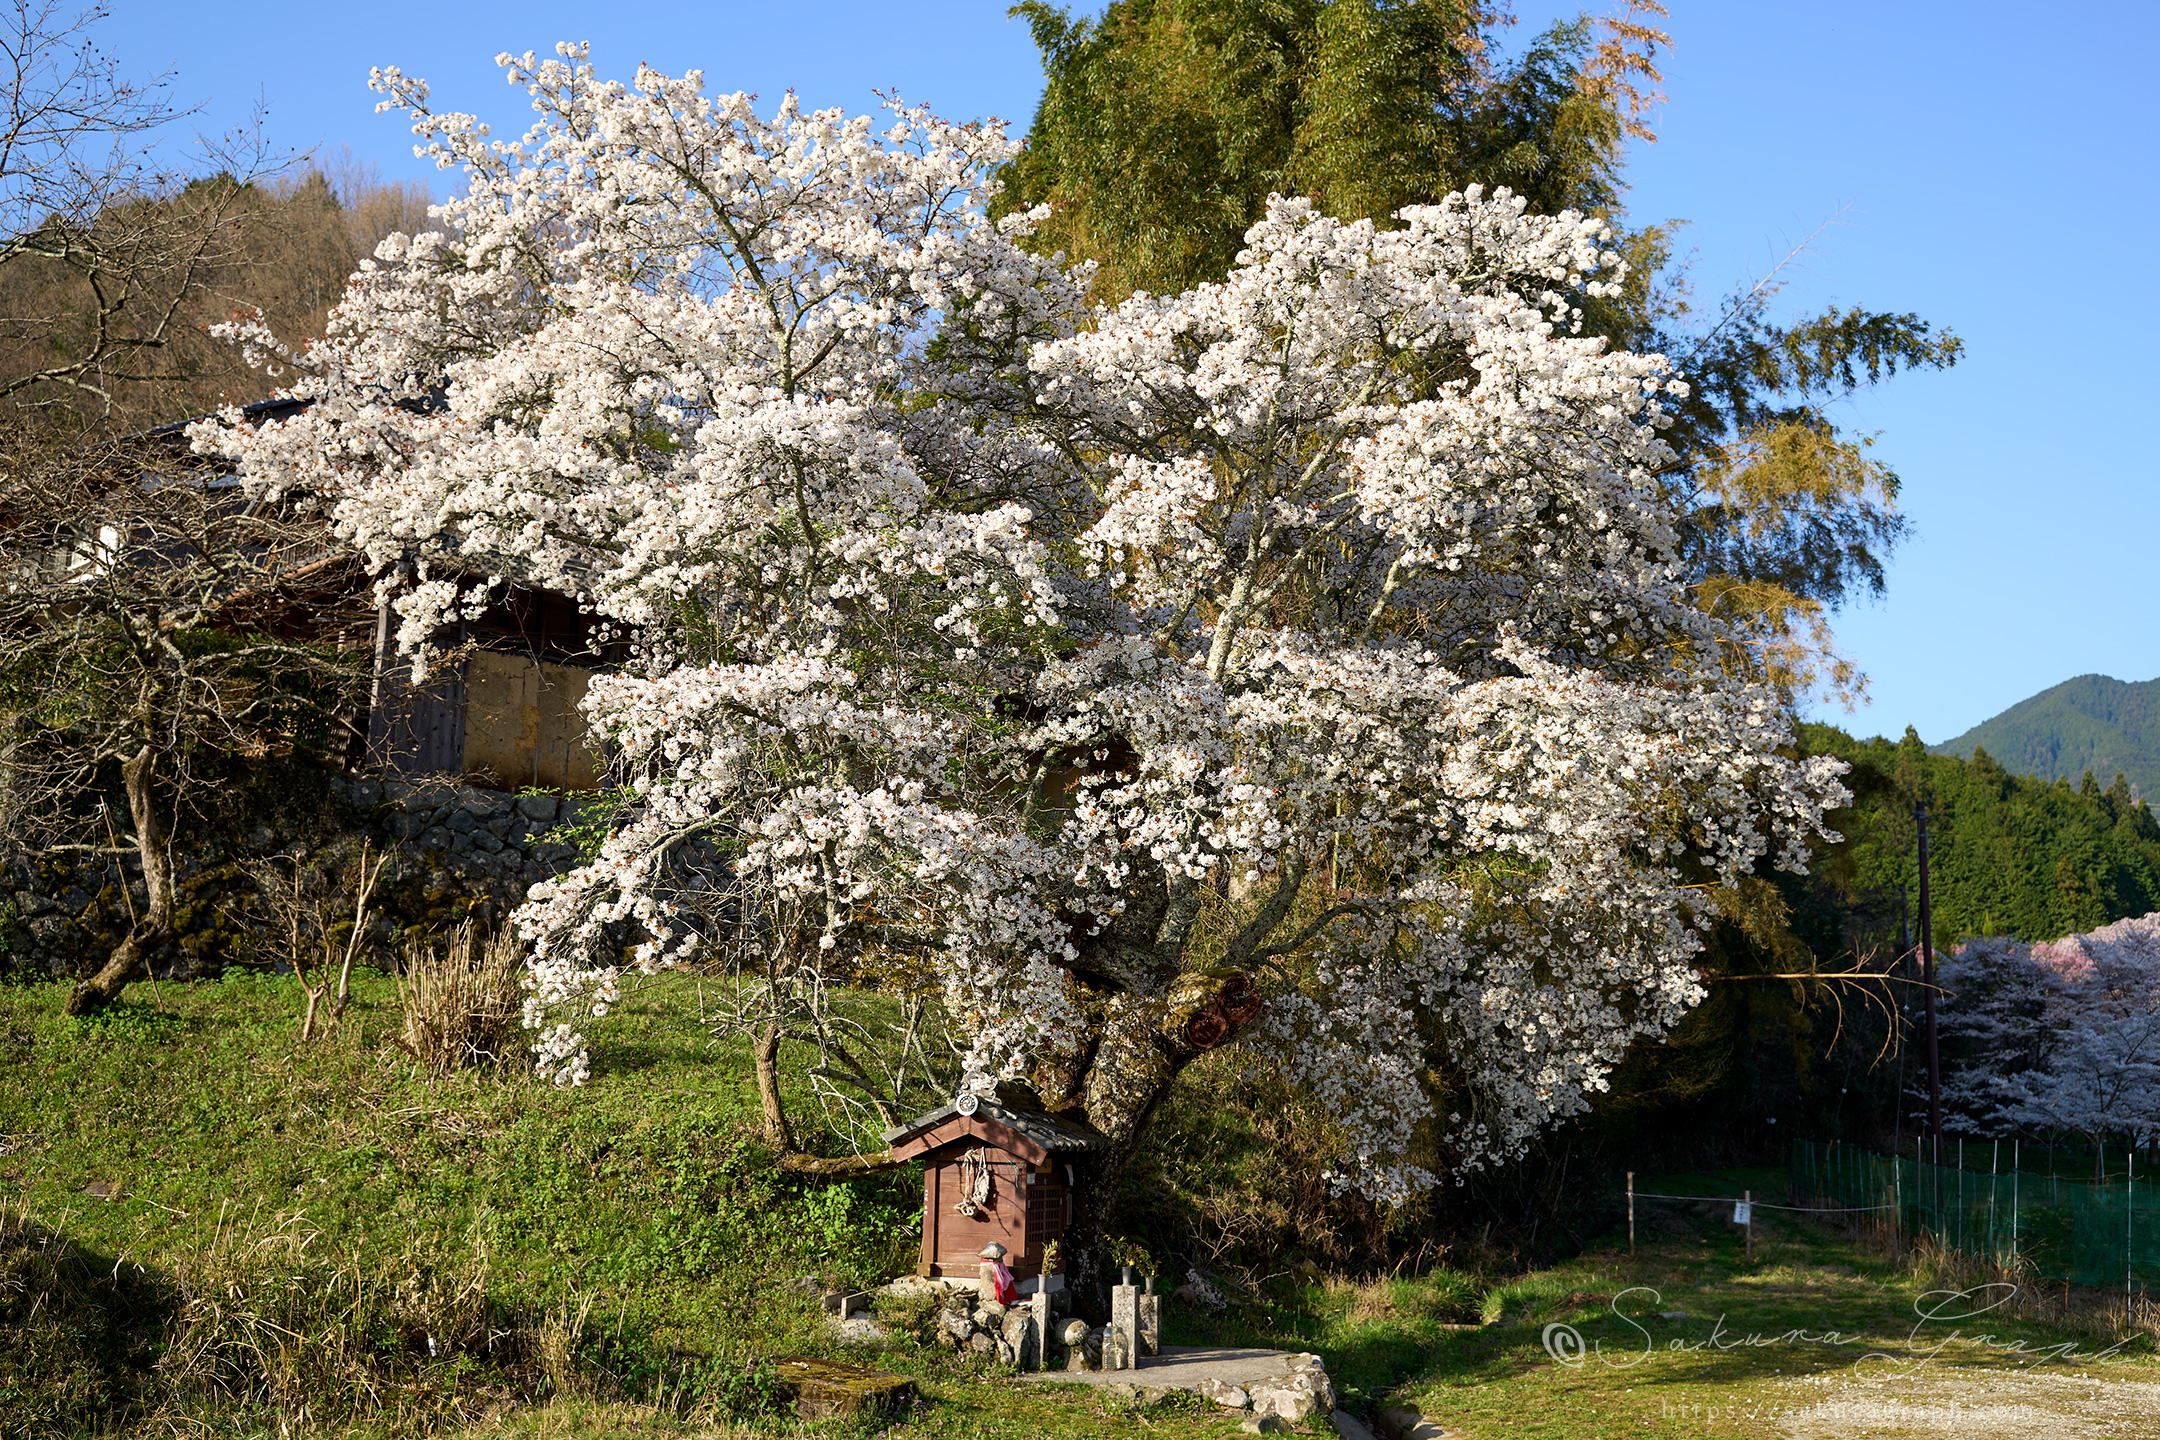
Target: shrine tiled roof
(1051, 1132)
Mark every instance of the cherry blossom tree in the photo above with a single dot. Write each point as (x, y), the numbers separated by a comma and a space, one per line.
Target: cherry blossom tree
(2061, 1036)
(1298, 662)
(2001, 1006)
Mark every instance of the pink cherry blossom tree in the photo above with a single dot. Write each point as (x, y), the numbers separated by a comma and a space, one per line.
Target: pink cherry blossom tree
(1298, 662)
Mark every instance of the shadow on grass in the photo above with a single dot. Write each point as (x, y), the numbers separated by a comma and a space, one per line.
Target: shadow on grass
(79, 1331)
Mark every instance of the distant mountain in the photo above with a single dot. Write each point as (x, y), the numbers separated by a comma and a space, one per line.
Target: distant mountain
(2091, 723)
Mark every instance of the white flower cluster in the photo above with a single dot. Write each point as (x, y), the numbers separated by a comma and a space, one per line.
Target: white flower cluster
(974, 625)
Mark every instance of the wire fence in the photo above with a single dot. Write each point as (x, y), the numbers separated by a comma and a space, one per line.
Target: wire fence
(2103, 1234)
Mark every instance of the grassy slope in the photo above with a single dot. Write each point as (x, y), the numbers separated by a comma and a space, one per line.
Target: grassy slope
(647, 1188)
(645, 1195)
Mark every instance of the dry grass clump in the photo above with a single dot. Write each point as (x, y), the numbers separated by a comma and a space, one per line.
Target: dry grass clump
(1442, 1296)
(462, 999)
(268, 1317)
(2108, 1316)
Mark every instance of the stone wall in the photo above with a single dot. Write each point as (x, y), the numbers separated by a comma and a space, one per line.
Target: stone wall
(456, 850)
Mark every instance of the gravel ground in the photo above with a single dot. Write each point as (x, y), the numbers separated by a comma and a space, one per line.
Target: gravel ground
(1974, 1404)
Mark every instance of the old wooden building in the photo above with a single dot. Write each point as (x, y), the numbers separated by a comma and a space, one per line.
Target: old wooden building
(992, 1173)
(501, 709)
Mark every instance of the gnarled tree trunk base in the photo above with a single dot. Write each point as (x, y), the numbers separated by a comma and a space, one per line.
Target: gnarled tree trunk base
(129, 961)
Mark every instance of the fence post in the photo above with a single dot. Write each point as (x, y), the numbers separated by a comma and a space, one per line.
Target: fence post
(1631, 1212)
(2014, 1197)
(2129, 1223)
(1747, 1198)
(1994, 1164)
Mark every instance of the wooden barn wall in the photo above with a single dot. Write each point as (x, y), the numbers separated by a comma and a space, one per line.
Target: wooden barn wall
(414, 730)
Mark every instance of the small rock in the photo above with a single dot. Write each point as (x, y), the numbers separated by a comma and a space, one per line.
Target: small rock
(536, 807)
(1265, 1425)
(1123, 1390)
(982, 1344)
(1291, 1402)
(1076, 1333)
(1230, 1397)
(1006, 1354)
(366, 794)
(1673, 1315)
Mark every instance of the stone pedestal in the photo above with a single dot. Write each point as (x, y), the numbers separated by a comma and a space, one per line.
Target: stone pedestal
(1123, 1340)
(1150, 1325)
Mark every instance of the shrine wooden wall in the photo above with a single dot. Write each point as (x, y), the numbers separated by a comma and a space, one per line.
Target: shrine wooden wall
(1023, 1215)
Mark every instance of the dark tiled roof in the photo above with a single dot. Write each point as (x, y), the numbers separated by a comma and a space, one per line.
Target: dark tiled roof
(1052, 1132)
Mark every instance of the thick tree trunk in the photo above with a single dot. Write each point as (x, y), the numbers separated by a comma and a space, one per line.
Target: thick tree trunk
(1146, 1041)
(131, 958)
(765, 1051)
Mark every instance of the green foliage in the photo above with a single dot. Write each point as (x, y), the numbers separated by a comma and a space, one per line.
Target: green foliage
(588, 818)
(1165, 124)
(1126, 1251)
(2011, 854)
(2090, 724)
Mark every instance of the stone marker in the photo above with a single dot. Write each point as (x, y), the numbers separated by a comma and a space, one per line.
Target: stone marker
(1124, 1337)
(826, 1387)
(1040, 1305)
(1150, 1325)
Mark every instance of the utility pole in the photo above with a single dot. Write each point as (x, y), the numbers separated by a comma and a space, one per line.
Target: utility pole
(1927, 980)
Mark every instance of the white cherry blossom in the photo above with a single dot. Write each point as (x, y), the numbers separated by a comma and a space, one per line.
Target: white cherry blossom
(1316, 631)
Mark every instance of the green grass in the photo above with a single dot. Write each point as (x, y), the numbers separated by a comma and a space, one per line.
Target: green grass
(639, 1228)
(1732, 1367)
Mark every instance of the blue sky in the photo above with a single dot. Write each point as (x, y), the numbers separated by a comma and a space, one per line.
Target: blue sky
(1994, 175)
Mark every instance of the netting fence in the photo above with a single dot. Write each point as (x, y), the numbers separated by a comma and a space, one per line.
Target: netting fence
(2104, 1234)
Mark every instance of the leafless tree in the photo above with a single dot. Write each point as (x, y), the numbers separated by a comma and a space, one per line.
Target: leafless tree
(154, 622)
(115, 259)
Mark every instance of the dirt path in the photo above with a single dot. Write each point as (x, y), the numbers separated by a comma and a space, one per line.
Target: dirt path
(1971, 1404)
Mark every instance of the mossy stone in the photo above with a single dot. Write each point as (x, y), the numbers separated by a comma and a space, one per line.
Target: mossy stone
(827, 1387)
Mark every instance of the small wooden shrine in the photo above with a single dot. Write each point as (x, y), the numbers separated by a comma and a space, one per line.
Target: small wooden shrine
(992, 1171)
